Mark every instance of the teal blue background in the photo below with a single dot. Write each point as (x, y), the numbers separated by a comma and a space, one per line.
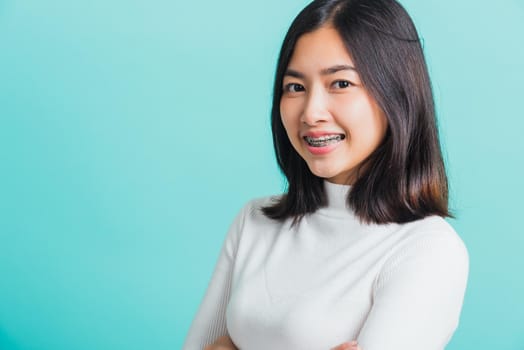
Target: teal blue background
(131, 132)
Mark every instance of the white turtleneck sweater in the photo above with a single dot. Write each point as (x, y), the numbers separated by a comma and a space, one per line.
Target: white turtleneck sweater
(330, 279)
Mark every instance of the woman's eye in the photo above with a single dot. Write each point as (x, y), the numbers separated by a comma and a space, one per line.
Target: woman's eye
(293, 87)
(341, 84)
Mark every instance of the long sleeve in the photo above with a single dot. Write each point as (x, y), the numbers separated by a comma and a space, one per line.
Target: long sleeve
(417, 298)
(210, 320)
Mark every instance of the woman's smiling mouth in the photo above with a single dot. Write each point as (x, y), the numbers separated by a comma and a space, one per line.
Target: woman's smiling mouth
(324, 140)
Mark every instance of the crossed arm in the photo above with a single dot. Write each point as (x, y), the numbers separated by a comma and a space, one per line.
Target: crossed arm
(225, 343)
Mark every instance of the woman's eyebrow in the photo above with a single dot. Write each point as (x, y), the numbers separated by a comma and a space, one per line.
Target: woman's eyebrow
(294, 73)
(337, 68)
(325, 71)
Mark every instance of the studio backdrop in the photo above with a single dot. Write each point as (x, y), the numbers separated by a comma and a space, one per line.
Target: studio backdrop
(132, 132)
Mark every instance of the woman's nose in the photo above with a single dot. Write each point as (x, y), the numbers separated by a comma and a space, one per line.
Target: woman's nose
(315, 108)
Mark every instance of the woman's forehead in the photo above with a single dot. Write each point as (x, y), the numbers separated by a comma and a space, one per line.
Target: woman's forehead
(322, 51)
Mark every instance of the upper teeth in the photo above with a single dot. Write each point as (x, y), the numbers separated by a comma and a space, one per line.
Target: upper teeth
(323, 138)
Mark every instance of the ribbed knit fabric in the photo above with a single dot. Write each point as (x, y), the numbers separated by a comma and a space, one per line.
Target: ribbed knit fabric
(330, 279)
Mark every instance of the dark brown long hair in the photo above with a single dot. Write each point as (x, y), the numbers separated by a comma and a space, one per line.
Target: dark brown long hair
(404, 179)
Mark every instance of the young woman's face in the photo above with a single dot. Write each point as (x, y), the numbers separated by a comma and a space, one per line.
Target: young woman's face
(330, 119)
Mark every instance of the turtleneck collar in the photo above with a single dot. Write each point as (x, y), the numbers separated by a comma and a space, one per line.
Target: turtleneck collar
(336, 196)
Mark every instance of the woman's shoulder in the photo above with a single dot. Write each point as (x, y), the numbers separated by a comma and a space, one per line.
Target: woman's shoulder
(253, 208)
(432, 227)
(432, 234)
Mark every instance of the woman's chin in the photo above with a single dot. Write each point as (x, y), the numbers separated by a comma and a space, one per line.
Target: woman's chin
(323, 173)
(331, 175)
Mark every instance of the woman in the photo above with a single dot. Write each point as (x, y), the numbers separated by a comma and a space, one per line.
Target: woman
(357, 250)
